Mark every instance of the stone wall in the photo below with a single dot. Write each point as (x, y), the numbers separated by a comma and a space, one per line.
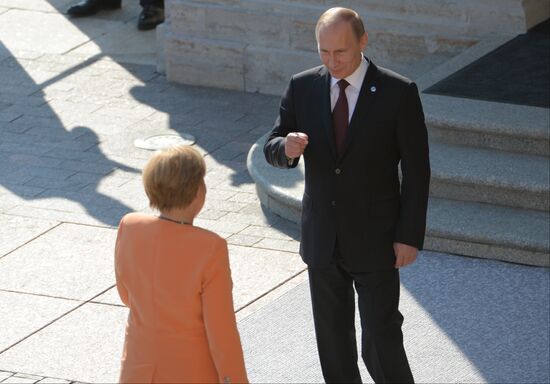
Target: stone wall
(256, 45)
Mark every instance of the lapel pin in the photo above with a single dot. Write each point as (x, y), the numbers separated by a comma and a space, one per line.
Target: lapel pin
(373, 89)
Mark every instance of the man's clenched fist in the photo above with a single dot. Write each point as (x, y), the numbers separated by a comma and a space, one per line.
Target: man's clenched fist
(295, 144)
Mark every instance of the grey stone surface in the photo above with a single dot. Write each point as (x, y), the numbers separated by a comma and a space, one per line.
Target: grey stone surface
(476, 123)
(16, 231)
(23, 314)
(256, 271)
(20, 380)
(489, 176)
(71, 261)
(51, 380)
(124, 44)
(4, 375)
(109, 297)
(91, 354)
(49, 31)
(458, 325)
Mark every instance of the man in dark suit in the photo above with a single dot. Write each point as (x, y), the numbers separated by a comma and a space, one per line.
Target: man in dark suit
(354, 123)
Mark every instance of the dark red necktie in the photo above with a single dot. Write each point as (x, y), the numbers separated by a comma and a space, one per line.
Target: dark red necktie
(340, 116)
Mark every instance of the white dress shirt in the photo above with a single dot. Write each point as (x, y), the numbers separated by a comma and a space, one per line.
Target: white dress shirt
(355, 81)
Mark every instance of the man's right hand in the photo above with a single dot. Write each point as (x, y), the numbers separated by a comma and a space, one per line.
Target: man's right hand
(295, 144)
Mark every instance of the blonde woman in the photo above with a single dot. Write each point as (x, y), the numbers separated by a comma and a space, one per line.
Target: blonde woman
(176, 281)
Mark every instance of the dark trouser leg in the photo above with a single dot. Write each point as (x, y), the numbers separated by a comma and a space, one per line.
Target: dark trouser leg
(382, 339)
(156, 3)
(333, 302)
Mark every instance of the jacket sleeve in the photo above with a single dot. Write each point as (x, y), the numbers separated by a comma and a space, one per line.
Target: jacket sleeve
(412, 137)
(274, 148)
(122, 291)
(219, 319)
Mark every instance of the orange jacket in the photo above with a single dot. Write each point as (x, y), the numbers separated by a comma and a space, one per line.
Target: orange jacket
(177, 283)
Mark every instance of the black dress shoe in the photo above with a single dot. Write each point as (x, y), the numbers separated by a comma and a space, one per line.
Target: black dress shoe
(150, 17)
(91, 7)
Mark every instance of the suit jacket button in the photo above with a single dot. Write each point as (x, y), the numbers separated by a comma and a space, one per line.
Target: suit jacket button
(337, 171)
(333, 202)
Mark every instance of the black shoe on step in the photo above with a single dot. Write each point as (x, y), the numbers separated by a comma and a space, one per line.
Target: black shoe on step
(150, 17)
(91, 7)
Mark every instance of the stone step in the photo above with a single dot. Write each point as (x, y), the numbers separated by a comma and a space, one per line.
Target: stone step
(490, 176)
(476, 123)
(460, 227)
(488, 231)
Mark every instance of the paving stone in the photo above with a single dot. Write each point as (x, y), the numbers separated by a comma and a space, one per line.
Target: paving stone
(65, 185)
(124, 45)
(16, 231)
(23, 314)
(256, 271)
(7, 116)
(280, 245)
(287, 232)
(20, 380)
(222, 226)
(210, 214)
(245, 198)
(51, 380)
(243, 240)
(92, 353)
(28, 377)
(47, 32)
(71, 261)
(4, 375)
(109, 297)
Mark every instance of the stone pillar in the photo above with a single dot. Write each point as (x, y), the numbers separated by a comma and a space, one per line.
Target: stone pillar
(256, 45)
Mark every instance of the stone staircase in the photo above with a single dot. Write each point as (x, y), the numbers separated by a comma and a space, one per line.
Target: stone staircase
(490, 185)
(256, 45)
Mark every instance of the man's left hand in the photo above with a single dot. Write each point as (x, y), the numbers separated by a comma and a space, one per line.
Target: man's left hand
(404, 254)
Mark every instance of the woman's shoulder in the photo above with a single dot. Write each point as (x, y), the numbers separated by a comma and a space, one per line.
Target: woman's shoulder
(137, 218)
(208, 235)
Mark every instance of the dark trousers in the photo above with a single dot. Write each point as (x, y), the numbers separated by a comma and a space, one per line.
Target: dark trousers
(333, 302)
(156, 3)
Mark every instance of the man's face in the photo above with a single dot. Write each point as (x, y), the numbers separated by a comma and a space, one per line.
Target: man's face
(339, 49)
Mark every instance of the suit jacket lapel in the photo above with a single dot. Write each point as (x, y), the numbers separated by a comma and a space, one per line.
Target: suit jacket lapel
(322, 92)
(366, 96)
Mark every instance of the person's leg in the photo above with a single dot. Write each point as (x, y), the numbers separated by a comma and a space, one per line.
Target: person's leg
(333, 303)
(149, 3)
(91, 7)
(151, 15)
(382, 338)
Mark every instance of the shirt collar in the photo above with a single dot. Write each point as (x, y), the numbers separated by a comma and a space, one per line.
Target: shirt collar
(357, 77)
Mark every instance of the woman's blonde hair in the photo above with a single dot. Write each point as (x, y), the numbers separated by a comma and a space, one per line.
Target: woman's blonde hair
(172, 177)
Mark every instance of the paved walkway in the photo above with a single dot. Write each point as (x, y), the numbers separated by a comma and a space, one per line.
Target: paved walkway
(74, 95)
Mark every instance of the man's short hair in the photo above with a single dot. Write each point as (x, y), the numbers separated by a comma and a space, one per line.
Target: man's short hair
(337, 14)
(172, 177)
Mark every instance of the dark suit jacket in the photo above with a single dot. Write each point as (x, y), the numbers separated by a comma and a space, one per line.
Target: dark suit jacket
(357, 197)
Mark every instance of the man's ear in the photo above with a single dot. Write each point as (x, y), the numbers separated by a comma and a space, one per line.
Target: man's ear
(363, 41)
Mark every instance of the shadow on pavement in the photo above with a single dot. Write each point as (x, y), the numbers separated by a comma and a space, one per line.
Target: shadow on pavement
(45, 163)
